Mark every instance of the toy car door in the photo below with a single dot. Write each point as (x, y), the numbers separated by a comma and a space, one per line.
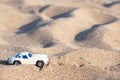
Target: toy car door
(25, 59)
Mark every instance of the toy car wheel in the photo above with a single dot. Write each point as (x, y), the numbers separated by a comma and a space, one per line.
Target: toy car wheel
(40, 64)
(17, 63)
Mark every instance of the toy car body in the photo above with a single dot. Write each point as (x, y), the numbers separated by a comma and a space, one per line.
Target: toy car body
(29, 58)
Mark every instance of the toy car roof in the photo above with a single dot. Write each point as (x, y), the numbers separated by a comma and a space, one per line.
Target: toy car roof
(23, 53)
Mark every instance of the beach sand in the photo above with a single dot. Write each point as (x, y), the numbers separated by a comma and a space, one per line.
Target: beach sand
(81, 38)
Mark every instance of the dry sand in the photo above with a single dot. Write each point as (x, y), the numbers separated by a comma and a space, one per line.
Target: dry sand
(81, 37)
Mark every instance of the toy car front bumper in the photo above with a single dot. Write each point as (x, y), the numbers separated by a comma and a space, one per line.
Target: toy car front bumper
(9, 61)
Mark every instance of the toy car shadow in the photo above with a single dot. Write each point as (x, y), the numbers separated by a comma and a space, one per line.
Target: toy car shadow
(3, 62)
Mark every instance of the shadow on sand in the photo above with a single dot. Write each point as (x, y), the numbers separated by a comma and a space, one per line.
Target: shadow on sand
(111, 4)
(3, 62)
(35, 25)
(84, 35)
(64, 15)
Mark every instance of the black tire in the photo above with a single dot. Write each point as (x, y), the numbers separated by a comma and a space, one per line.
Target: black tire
(40, 64)
(17, 63)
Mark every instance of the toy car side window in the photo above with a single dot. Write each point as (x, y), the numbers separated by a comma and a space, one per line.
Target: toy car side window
(16, 55)
(24, 57)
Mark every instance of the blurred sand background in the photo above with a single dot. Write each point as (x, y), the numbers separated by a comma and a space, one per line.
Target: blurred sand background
(82, 38)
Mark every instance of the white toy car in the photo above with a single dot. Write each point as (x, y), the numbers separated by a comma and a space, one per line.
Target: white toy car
(28, 58)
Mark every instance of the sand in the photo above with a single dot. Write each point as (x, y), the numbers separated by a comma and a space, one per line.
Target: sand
(81, 38)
